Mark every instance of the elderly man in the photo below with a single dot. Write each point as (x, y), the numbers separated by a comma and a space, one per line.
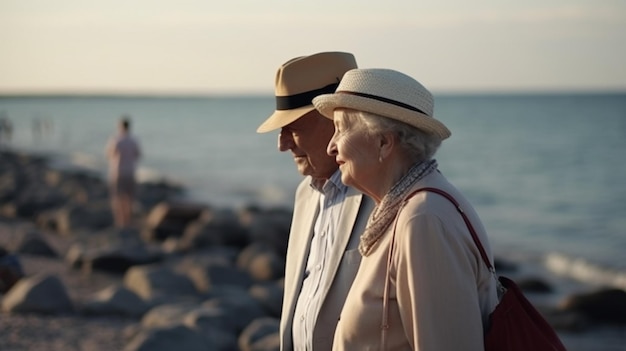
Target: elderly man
(328, 217)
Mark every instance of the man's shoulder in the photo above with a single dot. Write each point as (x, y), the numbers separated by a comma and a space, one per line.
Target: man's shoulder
(304, 187)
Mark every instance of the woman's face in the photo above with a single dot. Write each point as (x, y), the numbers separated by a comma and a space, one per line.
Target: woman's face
(355, 151)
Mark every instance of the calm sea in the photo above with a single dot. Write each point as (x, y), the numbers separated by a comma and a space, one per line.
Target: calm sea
(547, 173)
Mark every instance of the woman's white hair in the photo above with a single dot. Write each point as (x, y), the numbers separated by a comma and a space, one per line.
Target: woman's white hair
(418, 145)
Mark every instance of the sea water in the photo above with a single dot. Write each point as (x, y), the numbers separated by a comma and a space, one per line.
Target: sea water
(546, 172)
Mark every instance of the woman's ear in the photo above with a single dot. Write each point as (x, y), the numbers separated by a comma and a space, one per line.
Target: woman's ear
(387, 141)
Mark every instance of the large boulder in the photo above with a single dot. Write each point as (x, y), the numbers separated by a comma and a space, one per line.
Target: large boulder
(119, 259)
(260, 335)
(237, 304)
(167, 314)
(602, 306)
(270, 296)
(112, 251)
(37, 198)
(271, 227)
(170, 219)
(152, 193)
(32, 242)
(216, 324)
(152, 281)
(215, 228)
(74, 217)
(261, 262)
(43, 294)
(116, 300)
(207, 277)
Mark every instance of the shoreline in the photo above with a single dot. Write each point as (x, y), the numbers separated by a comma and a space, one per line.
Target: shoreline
(82, 285)
(556, 263)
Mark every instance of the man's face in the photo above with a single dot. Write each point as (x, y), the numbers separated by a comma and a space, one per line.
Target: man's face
(307, 138)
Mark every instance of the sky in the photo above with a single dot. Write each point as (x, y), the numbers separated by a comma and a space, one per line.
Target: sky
(236, 46)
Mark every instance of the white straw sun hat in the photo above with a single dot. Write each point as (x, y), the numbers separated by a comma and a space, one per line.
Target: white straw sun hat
(387, 93)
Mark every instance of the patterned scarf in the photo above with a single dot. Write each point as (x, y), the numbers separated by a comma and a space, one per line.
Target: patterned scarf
(385, 212)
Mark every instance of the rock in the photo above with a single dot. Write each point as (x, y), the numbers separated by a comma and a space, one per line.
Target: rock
(260, 335)
(72, 217)
(272, 229)
(116, 300)
(170, 219)
(261, 262)
(222, 341)
(603, 306)
(211, 319)
(238, 304)
(215, 228)
(37, 198)
(33, 243)
(208, 277)
(8, 187)
(82, 186)
(152, 193)
(44, 294)
(120, 258)
(167, 314)
(150, 281)
(177, 337)
(270, 296)
(215, 324)
(112, 251)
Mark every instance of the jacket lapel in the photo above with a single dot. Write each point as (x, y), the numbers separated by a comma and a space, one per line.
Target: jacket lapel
(306, 210)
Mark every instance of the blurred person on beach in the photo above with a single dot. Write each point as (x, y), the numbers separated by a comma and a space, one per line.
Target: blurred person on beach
(123, 153)
(328, 217)
(422, 284)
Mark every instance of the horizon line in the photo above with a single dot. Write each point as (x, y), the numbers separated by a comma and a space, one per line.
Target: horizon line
(174, 95)
(196, 94)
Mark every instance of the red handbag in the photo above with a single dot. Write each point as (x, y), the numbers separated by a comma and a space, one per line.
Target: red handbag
(514, 325)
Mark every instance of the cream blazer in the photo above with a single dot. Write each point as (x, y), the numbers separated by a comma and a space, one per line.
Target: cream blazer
(343, 264)
(441, 292)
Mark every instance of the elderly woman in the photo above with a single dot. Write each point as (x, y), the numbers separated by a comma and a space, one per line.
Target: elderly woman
(422, 284)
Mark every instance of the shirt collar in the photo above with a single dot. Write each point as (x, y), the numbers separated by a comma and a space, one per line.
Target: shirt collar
(334, 182)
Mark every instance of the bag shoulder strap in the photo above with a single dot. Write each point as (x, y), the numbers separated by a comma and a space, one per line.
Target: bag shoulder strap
(469, 225)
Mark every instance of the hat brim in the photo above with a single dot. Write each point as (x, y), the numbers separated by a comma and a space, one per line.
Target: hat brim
(281, 118)
(326, 104)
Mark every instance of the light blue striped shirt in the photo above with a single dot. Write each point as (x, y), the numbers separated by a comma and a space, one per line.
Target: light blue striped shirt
(310, 300)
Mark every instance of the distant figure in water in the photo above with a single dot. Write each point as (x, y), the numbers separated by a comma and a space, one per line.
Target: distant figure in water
(123, 153)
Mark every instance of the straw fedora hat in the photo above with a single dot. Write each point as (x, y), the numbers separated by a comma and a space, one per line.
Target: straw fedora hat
(387, 93)
(301, 79)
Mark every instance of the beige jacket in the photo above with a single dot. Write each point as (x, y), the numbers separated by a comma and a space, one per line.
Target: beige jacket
(441, 292)
(343, 263)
